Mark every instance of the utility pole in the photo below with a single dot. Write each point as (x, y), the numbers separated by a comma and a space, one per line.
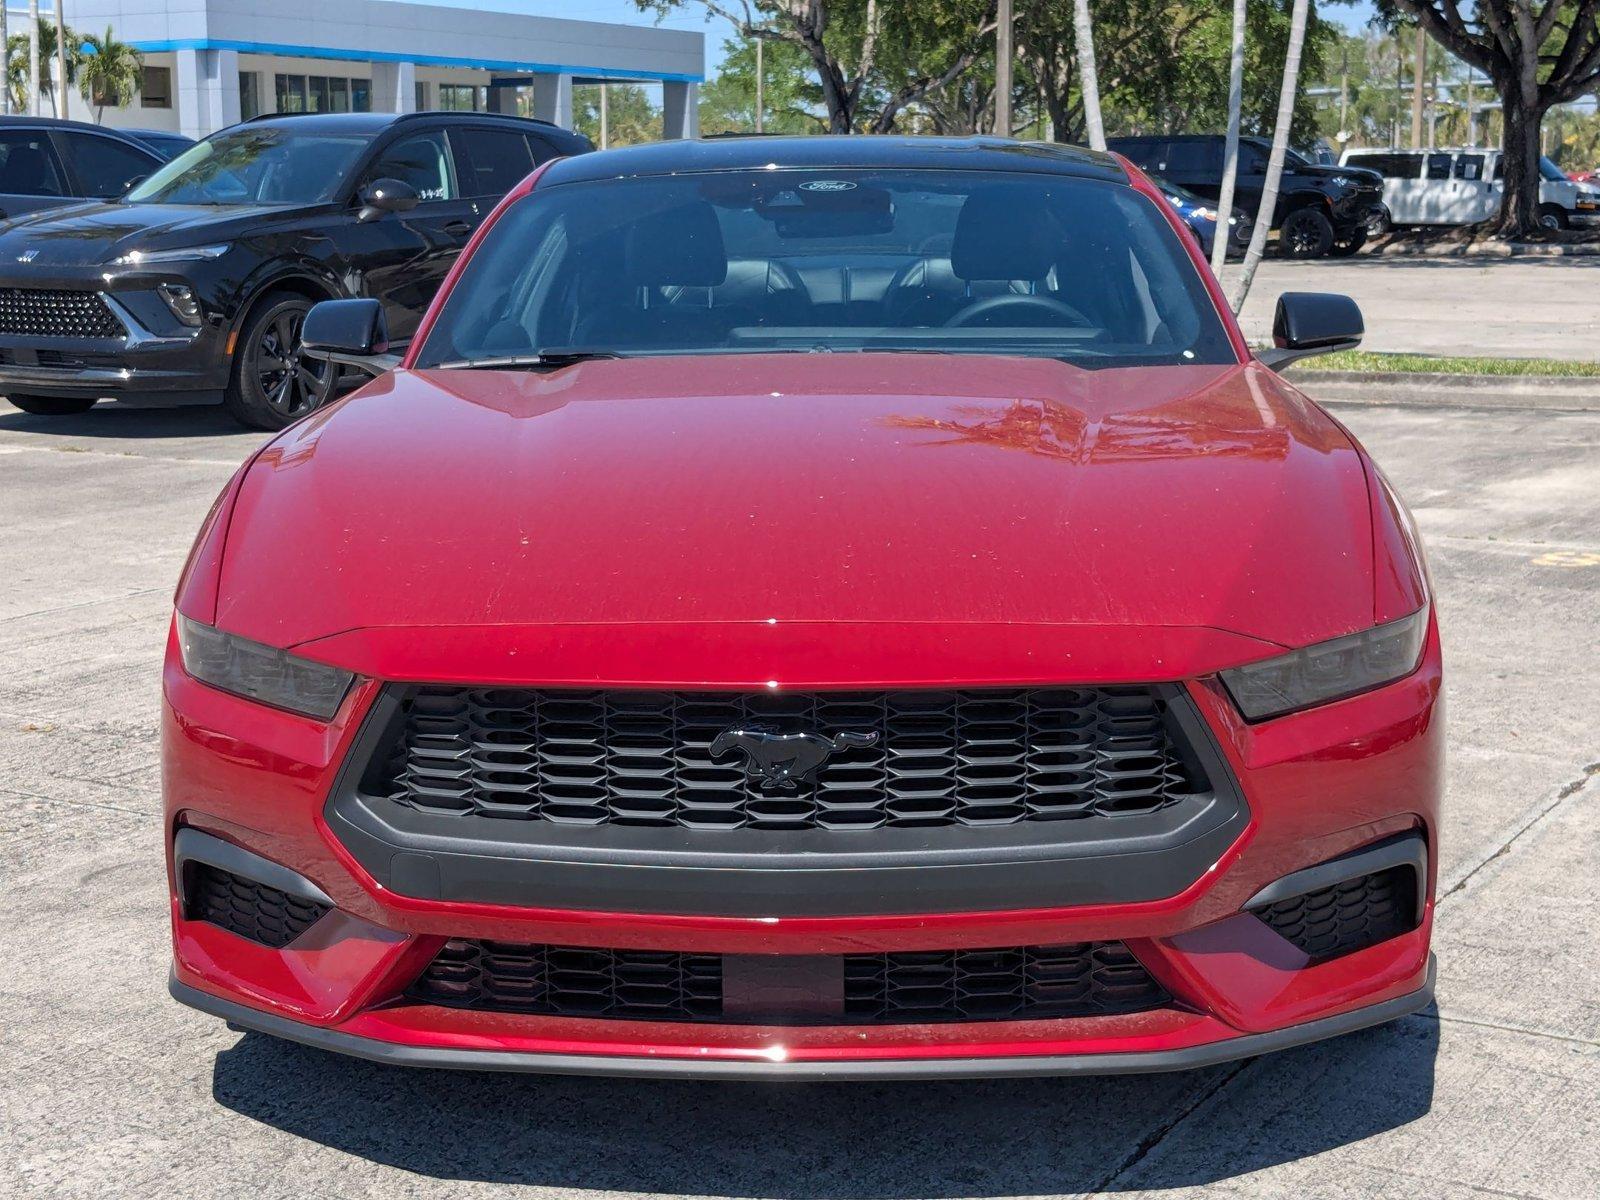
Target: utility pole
(1419, 60)
(605, 113)
(1002, 70)
(761, 87)
(1344, 90)
(1472, 114)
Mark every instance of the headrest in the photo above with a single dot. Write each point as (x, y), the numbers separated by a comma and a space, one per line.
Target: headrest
(1004, 233)
(681, 246)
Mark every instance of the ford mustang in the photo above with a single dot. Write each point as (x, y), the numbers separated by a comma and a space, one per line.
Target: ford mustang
(815, 608)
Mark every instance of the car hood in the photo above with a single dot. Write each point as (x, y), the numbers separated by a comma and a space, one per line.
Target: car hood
(926, 492)
(95, 233)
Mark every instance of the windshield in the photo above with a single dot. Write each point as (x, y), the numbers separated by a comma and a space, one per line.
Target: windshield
(261, 164)
(751, 261)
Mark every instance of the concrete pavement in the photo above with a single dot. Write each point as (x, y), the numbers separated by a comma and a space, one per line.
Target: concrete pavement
(106, 1087)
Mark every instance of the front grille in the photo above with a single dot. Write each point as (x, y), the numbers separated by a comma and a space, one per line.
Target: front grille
(1025, 983)
(1019, 983)
(566, 981)
(42, 312)
(1349, 916)
(252, 910)
(969, 758)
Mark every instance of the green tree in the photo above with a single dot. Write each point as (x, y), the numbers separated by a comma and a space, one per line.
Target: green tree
(109, 71)
(1537, 53)
(630, 117)
(792, 99)
(17, 64)
(872, 58)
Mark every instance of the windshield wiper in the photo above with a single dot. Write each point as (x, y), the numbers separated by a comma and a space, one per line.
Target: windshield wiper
(544, 358)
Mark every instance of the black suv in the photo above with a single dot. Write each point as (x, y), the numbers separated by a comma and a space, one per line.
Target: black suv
(45, 163)
(1321, 210)
(194, 285)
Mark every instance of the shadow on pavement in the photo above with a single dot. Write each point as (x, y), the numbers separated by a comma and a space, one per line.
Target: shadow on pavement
(824, 1141)
(113, 421)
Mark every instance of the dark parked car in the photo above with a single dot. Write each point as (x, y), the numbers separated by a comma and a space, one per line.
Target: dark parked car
(1321, 210)
(1200, 215)
(193, 286)
(164, 142)
(45, 163)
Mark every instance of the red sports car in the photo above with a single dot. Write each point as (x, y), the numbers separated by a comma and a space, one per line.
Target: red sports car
(816, 608)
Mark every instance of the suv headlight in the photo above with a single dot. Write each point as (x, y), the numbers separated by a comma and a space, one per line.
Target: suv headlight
(261, 673)
(139, 258)
(1329, 670)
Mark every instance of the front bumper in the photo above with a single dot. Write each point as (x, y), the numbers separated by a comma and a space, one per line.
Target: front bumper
(1320, 786)
(145, 356)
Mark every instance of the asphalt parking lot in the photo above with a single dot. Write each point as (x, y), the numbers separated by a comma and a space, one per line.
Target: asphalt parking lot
(109, 1088)
(1523, 307)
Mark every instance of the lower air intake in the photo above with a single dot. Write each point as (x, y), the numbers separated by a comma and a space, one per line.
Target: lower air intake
(252, 910)
(1348, 916)
(1019, 983)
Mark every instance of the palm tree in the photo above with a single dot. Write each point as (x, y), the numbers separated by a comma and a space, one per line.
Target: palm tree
(1280, 142)
(17, 71)
(67, 63)
(5, 71)
(1230, 157)
(109, 72)
(1083, 34)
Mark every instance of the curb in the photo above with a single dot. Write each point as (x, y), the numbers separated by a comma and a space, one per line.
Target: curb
(1488, 250)
(1533, 392)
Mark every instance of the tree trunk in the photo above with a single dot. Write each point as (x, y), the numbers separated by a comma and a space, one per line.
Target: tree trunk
(34, 98)
(1230, 155)
(1083, 32)
(1280, 143)
(1519, 212)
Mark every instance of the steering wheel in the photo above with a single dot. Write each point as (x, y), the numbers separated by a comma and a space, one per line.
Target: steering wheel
(1042, 304)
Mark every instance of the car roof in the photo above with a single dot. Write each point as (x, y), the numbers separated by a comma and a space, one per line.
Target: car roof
(18, 121)
(371, 122)
(825, 151)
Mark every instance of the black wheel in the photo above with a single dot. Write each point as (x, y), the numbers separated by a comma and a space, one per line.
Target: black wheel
(50, 406)
(1349, 242)
(1305, 233)
(1552, 216)
(272, 384)
(1380, 221)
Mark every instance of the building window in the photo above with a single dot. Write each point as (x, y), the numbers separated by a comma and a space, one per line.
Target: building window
(156, 90)
(422, 96)
(249, 95)
(323, 93)
(460, 97)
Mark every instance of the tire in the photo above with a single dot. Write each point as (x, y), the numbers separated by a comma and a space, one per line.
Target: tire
(271, 385)
(1349, 242)
(1553, 216)
(50, 406)
(1380, 221)
(1305, 233)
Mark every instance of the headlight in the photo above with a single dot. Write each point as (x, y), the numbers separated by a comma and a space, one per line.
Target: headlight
(262, 673)
(1329, 671)
(139, 258)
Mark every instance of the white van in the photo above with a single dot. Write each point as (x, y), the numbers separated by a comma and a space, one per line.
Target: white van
(1463, 187)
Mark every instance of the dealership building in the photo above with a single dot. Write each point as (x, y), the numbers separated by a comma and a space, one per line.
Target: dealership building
(210, 63)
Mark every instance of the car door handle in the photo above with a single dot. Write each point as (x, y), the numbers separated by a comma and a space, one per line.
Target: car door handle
(458, 227)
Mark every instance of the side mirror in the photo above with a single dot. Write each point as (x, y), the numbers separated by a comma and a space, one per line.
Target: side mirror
(386, 196)
(1311, 323)
(349, 333)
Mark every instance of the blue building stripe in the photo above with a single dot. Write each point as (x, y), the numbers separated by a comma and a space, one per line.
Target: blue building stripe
(421, 60)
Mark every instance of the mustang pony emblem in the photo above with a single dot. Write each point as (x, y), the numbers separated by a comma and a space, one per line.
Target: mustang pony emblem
(784, 759)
